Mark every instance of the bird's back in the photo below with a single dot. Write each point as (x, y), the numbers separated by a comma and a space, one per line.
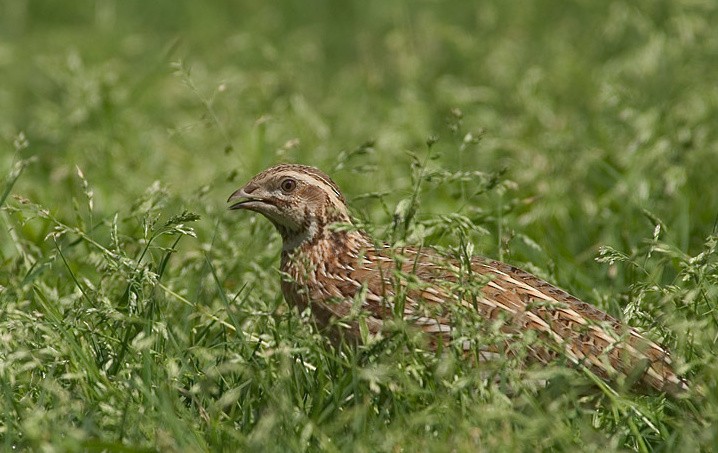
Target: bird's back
(576, 329)
(433, 290)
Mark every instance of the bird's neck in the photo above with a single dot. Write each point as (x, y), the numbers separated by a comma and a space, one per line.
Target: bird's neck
(318, 241)
(317, 229)
(293, 240)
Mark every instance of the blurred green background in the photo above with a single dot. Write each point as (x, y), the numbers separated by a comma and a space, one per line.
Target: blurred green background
(567, 93)
(598, 117)
(597, 111)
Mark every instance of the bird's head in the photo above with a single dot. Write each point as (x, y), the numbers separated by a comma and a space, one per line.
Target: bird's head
(300, 201)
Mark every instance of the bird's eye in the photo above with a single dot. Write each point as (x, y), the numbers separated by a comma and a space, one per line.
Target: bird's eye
(288, 185)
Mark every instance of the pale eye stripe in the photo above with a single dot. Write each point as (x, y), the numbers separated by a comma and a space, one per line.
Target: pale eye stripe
(313, 179)
(331, 186)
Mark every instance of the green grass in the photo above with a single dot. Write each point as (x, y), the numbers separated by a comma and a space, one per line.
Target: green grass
(575, 139)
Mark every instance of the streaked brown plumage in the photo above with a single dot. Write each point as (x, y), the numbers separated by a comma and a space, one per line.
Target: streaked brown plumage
(328, 269)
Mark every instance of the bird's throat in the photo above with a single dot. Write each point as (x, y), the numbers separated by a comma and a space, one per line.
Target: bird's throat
(292, 240)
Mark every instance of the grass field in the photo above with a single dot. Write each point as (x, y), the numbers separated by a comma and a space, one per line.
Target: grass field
(576, 139)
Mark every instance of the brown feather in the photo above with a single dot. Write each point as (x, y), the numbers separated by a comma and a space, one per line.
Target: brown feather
(326, 269)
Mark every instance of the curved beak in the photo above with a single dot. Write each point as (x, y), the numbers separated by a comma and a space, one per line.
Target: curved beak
(241, 195)
(246, 200)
